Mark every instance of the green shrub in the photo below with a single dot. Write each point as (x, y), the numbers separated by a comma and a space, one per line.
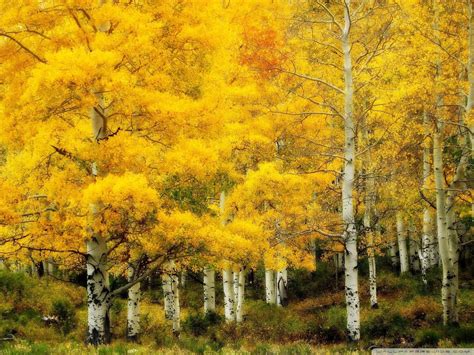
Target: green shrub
(428, 338)
(384, 323)
(13, 283)
(462, 334)
(198, 324)
(66, 314)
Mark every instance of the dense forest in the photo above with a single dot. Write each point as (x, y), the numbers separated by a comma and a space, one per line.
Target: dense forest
(266, 176)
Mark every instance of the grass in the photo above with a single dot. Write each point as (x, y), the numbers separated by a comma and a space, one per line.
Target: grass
(409, 315)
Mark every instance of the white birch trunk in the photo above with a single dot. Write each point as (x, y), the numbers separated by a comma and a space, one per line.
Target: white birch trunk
(209, 290)
(133, 308)
(168, 298)
(282, 287)
(98, 302)
(394, 254)
(428, 242)
(413, 250)
(350, 232)
(270, 286)
(402, 244)
(98, 289)
(235, 284)
(229, 298)
(442, 227)
(239, 309)
(368, 213)
(426, 252)
(176, 305)
(170, 281)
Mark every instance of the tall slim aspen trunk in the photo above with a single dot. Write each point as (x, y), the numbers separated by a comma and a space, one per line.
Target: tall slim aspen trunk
(393, 248)
(413, 249)
(227, 275)
(170, 282)
(209, 290)
(282, 287)
(133, 308)
(239, 309)
(98, 289)
(229, 297)
(168, 298)
(402, 244)
(368, 213)
(428, 255)
(350, 232)
(270, 287)
(176, 305)
(235, 284)
(442, 226)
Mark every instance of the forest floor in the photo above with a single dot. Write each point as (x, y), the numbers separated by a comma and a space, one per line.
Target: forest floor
(409, 315)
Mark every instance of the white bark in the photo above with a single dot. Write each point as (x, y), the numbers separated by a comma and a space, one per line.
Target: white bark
(270, 286)
(168, 298)
(394, 253)
(442, 227)
(209, 290)
(235, 284)
(239, 309)
(133, 308)
(229, 298)
(170, 282)
(402, 244)
(282, 287)
(98, 301)
(368, 213)
(413, 249)
(350, 232)
(176, 305)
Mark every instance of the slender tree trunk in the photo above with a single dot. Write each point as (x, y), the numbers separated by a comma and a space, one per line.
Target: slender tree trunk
(368, 213)
(270, 286)
(235, 284)
(183, 278)
(168, 298)
(239, 311)
(413, 249)
(98, 289)
(282, 287)
(176, 305)
(227, 275)
(229, 298)
(98, 300)
(170, 282)
(442, 227)
(394, 252)
(209, 290)
(402, 244)
(133, 308)
(350, 232)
